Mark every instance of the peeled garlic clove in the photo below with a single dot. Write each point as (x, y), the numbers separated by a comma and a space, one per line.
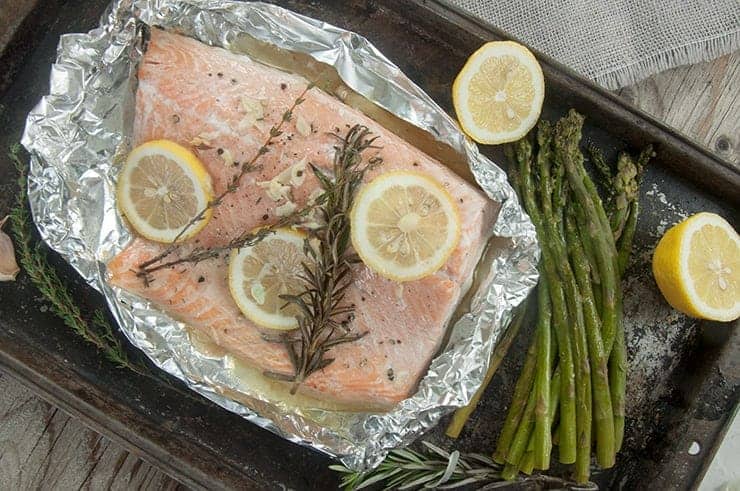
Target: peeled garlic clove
(303, 126)
(8, 267)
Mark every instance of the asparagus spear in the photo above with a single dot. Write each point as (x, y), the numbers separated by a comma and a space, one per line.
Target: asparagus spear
(618, 358)
(589, 250)
(599, 230)
(518, 402)
(617, 384)
(542, 436)
(542, 433)
(554, 397)
(521, 454)
(575, 310)
(497, 356)
(624, 245)
(527, 465)
(603, 415)
(523, 432)
(627, 234)
(603, 171)
(625, 189)
(567, 450)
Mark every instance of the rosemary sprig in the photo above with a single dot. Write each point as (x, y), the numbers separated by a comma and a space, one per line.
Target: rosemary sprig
(249, 166)
(435, 468)
(323, 318)
(35, 262)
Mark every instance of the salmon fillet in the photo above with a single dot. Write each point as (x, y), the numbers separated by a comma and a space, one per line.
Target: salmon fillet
(188, 90)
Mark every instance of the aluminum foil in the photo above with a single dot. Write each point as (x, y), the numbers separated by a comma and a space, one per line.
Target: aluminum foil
(78, 133)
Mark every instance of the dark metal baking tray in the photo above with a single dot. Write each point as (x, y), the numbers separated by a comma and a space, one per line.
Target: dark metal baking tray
(205, 446)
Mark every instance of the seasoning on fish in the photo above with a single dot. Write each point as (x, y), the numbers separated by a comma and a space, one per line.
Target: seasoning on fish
(174, 80)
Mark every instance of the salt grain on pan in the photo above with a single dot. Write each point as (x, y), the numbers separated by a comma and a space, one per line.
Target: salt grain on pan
(694, 449)
(655, 334)
(660, 206)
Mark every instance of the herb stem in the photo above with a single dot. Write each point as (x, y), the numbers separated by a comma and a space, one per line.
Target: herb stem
(247, 167)
(324, 318)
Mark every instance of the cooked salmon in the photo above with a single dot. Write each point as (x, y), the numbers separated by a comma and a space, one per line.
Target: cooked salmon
(224, 104)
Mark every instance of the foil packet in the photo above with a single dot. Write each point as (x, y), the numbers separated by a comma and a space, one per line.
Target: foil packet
(78, 134)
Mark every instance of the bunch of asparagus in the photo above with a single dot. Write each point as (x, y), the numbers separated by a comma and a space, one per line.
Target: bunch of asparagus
(571, 389)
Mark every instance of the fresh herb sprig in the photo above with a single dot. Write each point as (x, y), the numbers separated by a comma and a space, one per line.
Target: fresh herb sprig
(245, 239)
(435, 468)
(33, 258)
(147, 267)
(323, 317)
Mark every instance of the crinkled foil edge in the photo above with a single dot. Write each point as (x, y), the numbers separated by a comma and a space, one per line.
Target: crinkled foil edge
(78, 132)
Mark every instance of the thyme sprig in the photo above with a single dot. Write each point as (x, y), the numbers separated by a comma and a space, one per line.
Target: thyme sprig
(245, 239)
(251, 165)
(324, 316)
(435, 468)
(94, 329)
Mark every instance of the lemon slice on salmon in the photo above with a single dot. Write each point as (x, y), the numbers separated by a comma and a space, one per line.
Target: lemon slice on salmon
(404, 225)
(259, 274)
(498, 94)
(161, 189)
(697, 267)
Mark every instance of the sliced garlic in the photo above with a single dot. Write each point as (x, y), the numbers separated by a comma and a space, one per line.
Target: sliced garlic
(399, 292)
(203, 140)
(298, 172)
(312, 225)
(275, 190)
(227, 157)
(279, 187)
(8, 266)
(251, 107)
(286, 209)
(303, 126)
(246, 123)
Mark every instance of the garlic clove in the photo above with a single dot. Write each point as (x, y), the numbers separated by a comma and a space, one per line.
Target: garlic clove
(8, 266)
(303, 126)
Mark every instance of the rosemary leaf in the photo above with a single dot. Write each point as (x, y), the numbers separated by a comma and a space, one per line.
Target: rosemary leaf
(410, 469)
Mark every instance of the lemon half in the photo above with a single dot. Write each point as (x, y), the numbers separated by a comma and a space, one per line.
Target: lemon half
(404, 225)
(697, 267)
(161, 188)
(498, 94)
(259, 274)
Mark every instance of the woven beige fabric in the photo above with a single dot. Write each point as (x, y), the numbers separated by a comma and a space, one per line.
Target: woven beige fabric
(617, 42)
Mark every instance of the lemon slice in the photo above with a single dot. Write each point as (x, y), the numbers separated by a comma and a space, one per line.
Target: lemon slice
(697, 267)
(404, 225)
(498, 94)
(161, 188)
(259, 274)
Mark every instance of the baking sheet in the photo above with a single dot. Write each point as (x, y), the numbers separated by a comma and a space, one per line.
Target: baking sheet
(79, 133)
